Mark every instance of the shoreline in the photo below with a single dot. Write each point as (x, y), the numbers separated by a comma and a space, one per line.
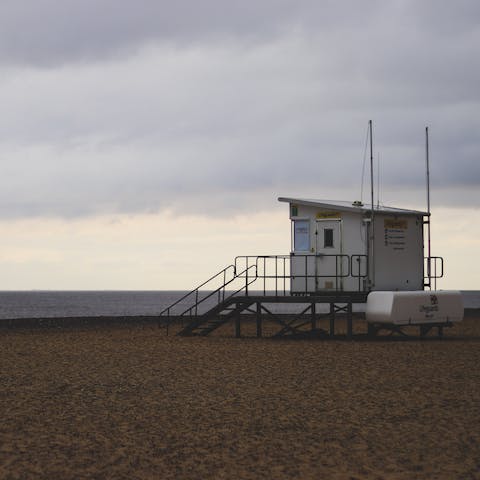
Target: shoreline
(144, 321)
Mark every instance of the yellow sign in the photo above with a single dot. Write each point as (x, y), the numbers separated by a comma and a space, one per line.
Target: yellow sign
(395, 223)
(328, 215)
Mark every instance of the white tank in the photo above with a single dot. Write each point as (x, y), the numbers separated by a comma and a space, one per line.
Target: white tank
(414, 308)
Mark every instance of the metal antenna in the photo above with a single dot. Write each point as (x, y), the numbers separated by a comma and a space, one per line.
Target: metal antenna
(427, 161)
(378, 181)
(372, 204)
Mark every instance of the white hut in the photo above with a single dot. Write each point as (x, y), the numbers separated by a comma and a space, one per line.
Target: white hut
(345, 246)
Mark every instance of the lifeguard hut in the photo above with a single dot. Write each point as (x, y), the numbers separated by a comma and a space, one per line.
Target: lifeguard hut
(342, 253)
(348, 246)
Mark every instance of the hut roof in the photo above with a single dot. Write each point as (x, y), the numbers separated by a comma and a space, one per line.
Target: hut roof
(345, 206)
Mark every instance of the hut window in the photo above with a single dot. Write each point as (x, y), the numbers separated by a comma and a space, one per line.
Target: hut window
(301, 235)
(328, 238)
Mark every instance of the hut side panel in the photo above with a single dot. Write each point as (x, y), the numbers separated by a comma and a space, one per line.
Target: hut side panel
(398, 252)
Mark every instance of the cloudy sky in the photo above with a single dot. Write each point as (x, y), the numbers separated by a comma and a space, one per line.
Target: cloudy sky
(143, 144)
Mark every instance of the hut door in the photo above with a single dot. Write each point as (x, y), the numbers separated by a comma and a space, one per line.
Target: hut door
(329, 265)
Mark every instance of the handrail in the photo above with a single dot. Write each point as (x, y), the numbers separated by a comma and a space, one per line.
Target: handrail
(261, 272)
(211, 294)
(360, 276)
(195, 290)
(429, 267)
(247, 282)
(432, 274)
(343, 268)
(306, 256)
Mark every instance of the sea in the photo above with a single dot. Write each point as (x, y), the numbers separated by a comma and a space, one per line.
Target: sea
(56, 304)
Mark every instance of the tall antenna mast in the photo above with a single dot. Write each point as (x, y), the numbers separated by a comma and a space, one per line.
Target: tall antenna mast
(427, 161)
(378, 180)
(372, 234)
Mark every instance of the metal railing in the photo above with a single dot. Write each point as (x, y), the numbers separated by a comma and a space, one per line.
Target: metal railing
(189, 304)
(193, 296)
(275, 267)
(357, 260)
(275, 271)
(433, 268)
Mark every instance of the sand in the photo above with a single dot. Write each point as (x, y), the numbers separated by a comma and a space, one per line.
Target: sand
(128, 402)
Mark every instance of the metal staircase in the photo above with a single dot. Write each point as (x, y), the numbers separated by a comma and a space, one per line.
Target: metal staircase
(210, 305)
(216, 317)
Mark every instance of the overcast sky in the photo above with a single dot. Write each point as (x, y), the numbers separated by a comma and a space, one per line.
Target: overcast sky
(215, 107)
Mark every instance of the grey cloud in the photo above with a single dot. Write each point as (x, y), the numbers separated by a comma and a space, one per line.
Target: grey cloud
(48, 32)
(212, 127)
(52, 32)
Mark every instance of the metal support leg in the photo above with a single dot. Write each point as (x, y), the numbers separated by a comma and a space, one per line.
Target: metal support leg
(349, 321)
(424, 329)
(238, 332)
(259, 320)
(332, 320)
(314, 317)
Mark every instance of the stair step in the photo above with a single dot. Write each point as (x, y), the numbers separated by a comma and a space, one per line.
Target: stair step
(202, 325)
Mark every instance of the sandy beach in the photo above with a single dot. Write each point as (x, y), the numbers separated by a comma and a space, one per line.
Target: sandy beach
(129, 402)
